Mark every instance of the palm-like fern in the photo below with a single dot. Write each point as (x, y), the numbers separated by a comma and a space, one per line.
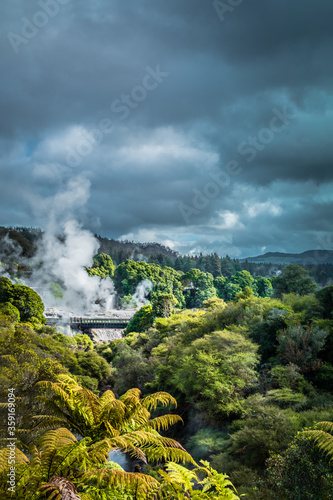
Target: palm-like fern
(58, 461)
(322, 434)
(124, 423)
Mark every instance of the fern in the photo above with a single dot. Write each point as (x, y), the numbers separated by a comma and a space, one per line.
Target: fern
(125, 422)
(322, 435)
(151, 402)
(181, 483)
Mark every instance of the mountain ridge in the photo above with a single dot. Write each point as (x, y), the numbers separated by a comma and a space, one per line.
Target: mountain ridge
(315, 257)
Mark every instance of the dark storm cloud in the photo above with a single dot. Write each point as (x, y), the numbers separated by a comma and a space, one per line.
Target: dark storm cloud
(223, 83)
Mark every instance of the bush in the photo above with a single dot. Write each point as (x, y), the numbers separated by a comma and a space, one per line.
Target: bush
(92, 365)
(302, 472)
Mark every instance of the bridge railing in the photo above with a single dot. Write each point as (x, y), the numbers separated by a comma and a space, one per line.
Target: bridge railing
(99, 322)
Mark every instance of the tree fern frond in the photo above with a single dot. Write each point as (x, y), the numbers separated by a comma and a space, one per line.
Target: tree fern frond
(219, 482)
(111, 431)
(164, 422)
(123, 444)
(141, 485)
(151, 401)
(55, 439)
(179, 474)
(131, 393)
(156, 454)
(90, 403)
(325, 426)
(107, 397)
(20, 458)
(113, 411)
(323, 440)
(58, 389)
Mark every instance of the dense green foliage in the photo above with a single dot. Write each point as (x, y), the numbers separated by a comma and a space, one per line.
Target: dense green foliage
(102, 266)
(248, 360)
(26, 301)
(249, 373)
(294, 279)
(50, 461)
(301, 472)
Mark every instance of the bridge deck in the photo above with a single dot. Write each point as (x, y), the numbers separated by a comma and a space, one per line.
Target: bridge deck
(75, 322)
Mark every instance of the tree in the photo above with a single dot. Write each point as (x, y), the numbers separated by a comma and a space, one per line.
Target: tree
(242, 279)
(10, 311)
(230, 291)
(294, 279)
(141, 321)
(199, 287)
(325, 298)
(162, 304)
(220, 284)
(300, 345)
(126, 422)
(264, 286)
(214, 370)
(26, 300)
(216, 266)
(227, 267)
(102, 266)
(301, 472)
(29, 304)
(93, 365)
(6, 290)
(83, 342)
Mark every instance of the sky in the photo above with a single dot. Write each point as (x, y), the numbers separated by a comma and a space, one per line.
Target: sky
(202, 125)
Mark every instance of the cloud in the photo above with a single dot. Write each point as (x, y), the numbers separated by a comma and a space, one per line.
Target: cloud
(225, 79)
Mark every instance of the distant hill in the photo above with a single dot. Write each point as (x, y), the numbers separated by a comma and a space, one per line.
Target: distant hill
(314, 257)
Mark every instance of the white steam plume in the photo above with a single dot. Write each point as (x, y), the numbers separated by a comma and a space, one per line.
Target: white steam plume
(64, 252)
(142, 291)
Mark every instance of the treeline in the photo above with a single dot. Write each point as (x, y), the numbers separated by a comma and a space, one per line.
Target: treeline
(26, 241)
(171, 288)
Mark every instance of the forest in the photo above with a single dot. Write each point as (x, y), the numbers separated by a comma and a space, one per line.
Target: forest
(26, 241)
(221, 387)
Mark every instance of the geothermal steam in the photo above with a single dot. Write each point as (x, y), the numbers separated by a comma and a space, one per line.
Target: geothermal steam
(64, 252)
(62, 258)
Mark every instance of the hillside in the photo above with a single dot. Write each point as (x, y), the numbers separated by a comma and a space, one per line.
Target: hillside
(314, 257)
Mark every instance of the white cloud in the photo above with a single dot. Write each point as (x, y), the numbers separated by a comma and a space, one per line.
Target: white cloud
(268, 207)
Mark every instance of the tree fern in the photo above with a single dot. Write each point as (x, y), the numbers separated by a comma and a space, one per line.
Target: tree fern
(59, 460)
(322, 435)
(125, 422)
